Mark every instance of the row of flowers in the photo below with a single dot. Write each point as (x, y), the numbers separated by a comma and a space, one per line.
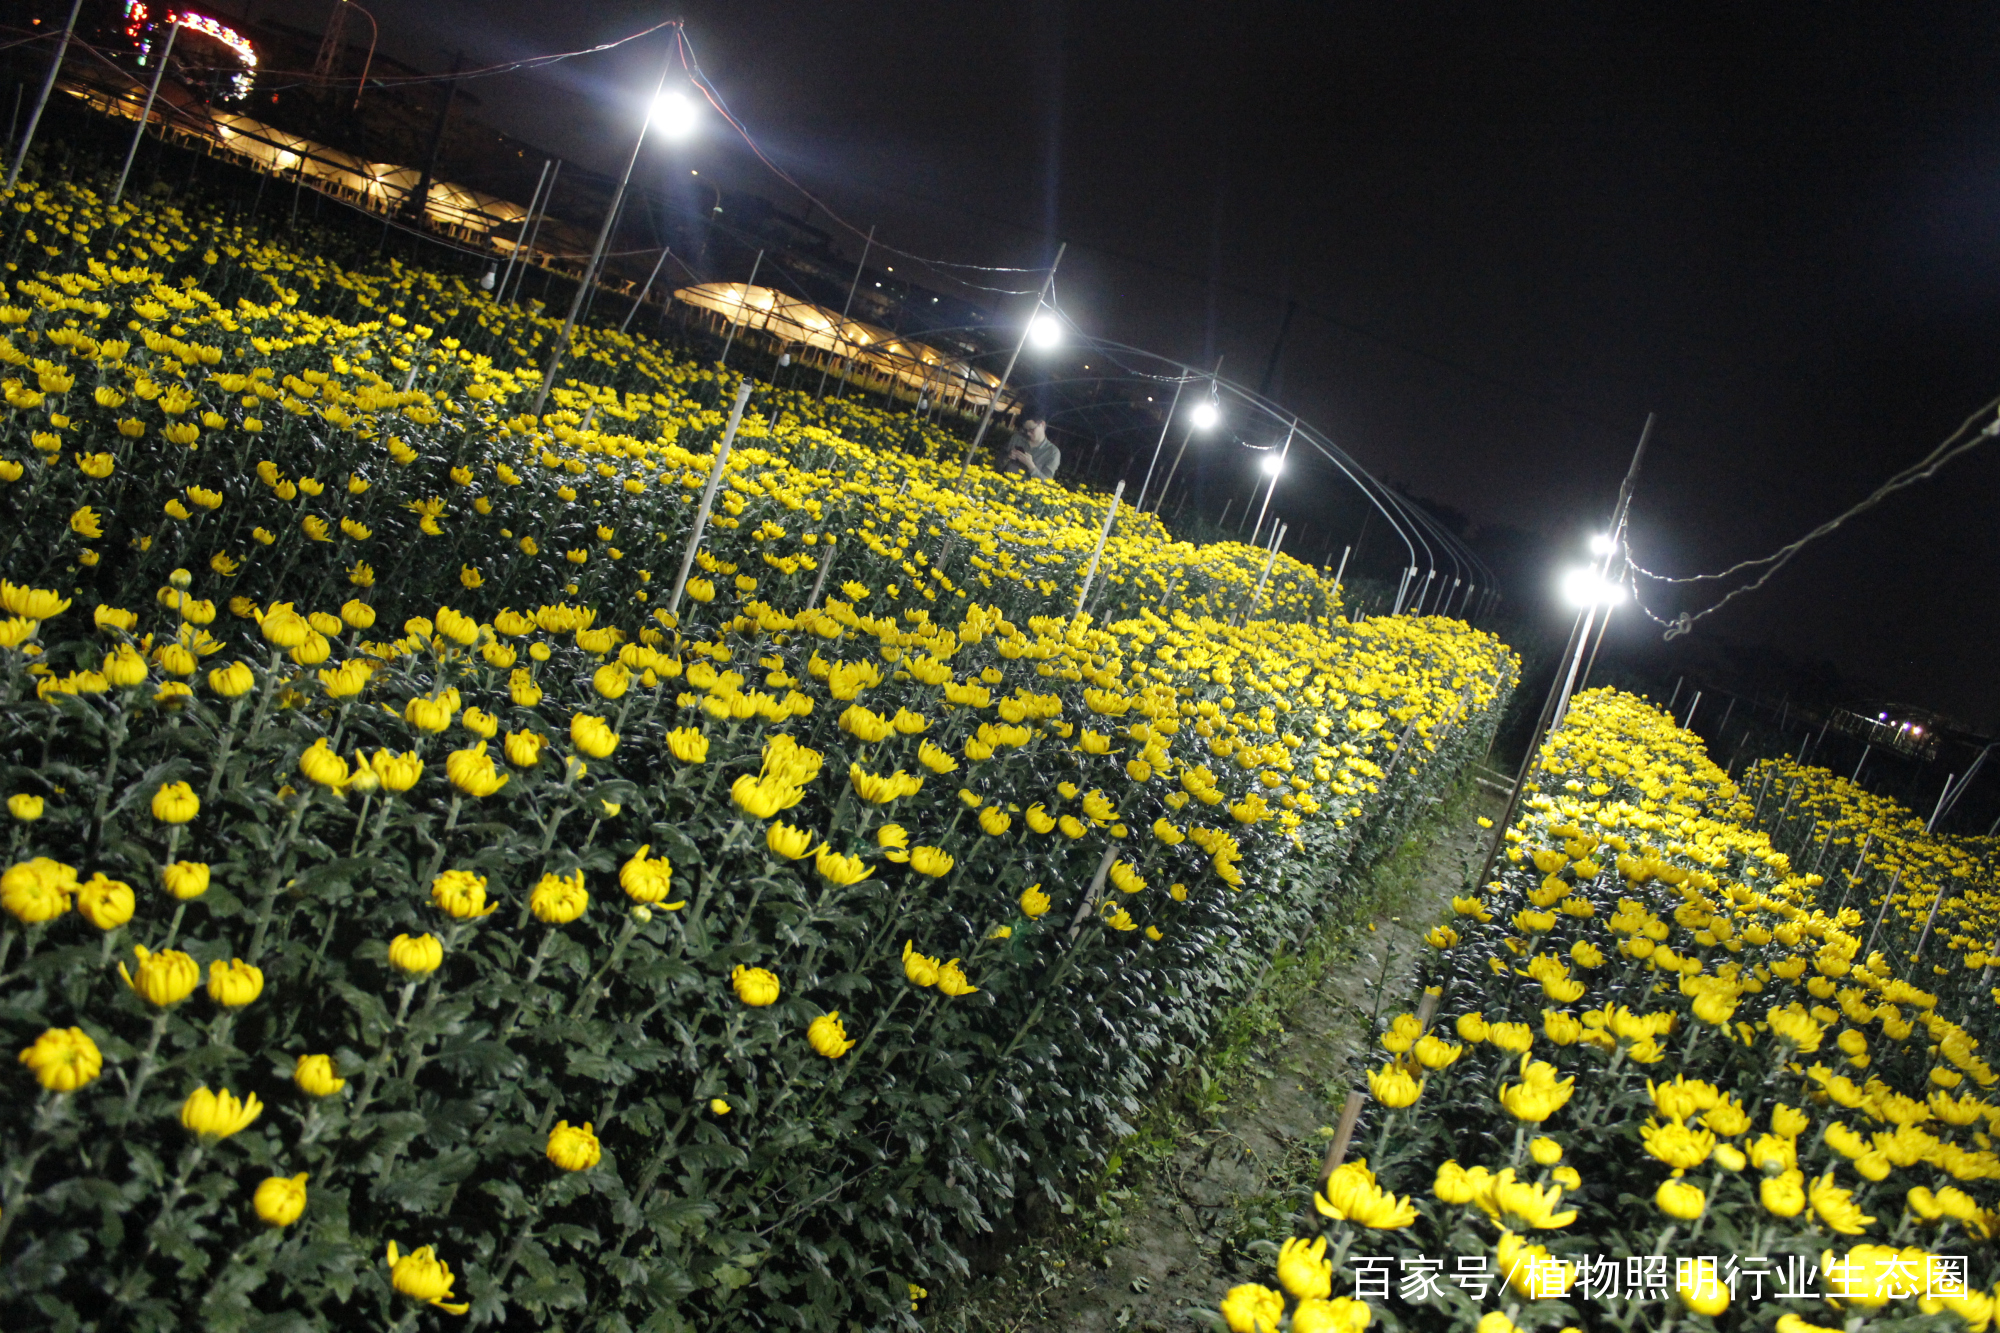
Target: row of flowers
(1671, 1076)
(379, 828)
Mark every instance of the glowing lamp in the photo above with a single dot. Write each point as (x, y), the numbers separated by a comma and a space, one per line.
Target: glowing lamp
(1044, 331)
(674, 114)
(1582, 587)
(1205, 415)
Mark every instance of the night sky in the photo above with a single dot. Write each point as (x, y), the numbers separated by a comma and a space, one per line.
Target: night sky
(1512, 231)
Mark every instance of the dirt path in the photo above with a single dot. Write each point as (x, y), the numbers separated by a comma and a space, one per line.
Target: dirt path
(1233, 1167)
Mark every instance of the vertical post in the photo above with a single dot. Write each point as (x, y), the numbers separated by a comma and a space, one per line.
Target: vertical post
(1272, 489)
(1865, 751)
(708, 497)
(522, 235)
(993, 401)
(1678, 682)
(819, 580)
(1688, 721)
(42, 98)
(1402, 588)
(1888, 896)
(731, 339)
(1102, 534)
(1930, 825)
(419, 198)
(1603, 628)
(527, 247)
(1340, 574)
(1619, 511)
(597, 253)
(1859, 862)
(841, 332)
(1165, 422)
(658, 264)
(1277, 538)
(145, 112)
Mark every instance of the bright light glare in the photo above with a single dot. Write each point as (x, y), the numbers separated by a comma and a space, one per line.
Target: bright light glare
(1602, 544)
(1044, 330)
(1205, 415)
(1272, 464)
(674, 114)
(1582, 587)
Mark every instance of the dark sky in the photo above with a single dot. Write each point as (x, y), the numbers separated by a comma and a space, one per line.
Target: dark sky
(1512, 230)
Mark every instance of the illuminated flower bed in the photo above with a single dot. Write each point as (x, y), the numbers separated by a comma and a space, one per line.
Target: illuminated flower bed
(1666, 1082)
(408, 917)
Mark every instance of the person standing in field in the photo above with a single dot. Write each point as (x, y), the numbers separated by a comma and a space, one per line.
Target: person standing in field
(1031, 451)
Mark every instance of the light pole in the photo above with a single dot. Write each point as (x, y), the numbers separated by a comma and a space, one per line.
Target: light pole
(1589, 584)
(1165, 422)
(374, 36)
(1274, 466)
(676, 116)
(993, 403)
(1204, 416)
(145, 111)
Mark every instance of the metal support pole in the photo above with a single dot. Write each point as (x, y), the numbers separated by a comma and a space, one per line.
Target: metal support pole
(708, 497)
(658, 264)
(1688, 721)
(42, 98)
(1103, 534)
(1271, 490)
(1888, 896)
(534, 201)
(145, 112)
(841, 332)
(1859, 862)
(1165, 422)
(1866, 750)
(993, 402)
(1603, 628)
(1930, 825)
(1619, 511)
(1277, 537)
(730, 341)
(596, 253)
(819, 579)
(534, 232)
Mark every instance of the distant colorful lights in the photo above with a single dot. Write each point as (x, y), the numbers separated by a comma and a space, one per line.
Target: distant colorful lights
(138, 14)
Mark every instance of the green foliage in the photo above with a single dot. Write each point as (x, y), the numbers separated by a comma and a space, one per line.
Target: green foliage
(1274, 754)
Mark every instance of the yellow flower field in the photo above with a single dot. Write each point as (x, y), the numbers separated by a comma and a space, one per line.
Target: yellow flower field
(410, 917)
(1674, 1076)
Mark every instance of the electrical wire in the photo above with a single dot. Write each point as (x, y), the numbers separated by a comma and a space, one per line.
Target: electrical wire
(1954, 445)
(699, 78)
(303, 78)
